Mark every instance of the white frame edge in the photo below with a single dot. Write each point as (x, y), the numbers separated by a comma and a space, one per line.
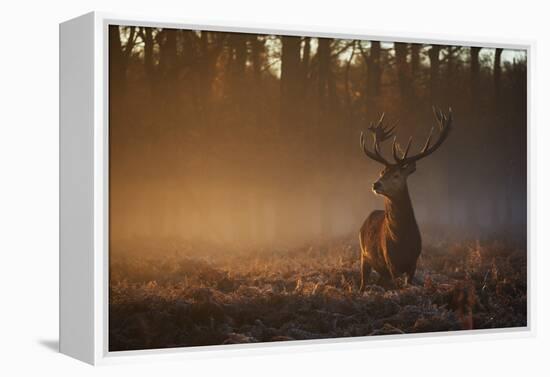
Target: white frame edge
(76, 188)
(78, 279)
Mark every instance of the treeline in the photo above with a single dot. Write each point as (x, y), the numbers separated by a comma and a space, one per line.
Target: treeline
(273, 123)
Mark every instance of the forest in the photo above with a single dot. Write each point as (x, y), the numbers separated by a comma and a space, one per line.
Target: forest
(262, 123)
(237, 186)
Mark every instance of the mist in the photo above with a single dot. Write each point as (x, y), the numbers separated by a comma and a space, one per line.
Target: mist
(237, 188)
(252, 141)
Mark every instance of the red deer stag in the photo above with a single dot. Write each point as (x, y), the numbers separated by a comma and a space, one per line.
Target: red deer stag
(390, 240)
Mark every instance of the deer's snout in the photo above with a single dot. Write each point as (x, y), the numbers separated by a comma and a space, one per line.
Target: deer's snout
(376, 186)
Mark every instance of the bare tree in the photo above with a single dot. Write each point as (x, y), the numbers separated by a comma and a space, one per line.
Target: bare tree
(210, 47)
(403, 71)
(474, 75)
(325, 90)
(167, 65)
(374, 75)
(257, 50)
(433, 54)
(290, 82)
(306, 57)
(497, 73)
(415, 59)
(146, 35)
(119, 56)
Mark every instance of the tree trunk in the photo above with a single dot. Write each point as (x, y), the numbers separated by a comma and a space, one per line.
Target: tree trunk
(237, 68)
(148, 48)
(290, 84)
(433, 54)
(119, 57)
(450, 74)
(238, 55)
(415, 60)
(305, 64)
(323, 59)
(326, 108)
(500, 115)
(474, 76)
(256, 51)
(168, 55)
(168, 75)
(497, 72)
(210, 49)
(117, 69)
(349, 107)
(403, 73)
(374, 71)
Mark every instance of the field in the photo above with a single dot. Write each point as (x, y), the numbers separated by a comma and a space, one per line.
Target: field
(172, 298)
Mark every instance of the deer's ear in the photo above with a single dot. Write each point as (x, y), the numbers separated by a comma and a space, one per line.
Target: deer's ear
(409, 168)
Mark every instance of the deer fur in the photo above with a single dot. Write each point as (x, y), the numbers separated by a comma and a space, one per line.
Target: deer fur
(390, 240)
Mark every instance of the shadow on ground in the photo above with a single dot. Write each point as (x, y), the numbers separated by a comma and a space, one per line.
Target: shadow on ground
(52, 345)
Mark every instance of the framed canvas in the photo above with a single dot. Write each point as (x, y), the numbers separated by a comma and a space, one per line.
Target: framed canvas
(230, 188)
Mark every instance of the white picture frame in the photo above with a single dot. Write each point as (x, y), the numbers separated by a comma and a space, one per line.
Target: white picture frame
(84, 191)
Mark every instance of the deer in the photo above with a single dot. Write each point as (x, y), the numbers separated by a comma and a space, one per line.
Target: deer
(390, 239)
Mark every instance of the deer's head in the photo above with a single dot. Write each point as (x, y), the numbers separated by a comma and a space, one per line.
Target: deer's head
(393, 178)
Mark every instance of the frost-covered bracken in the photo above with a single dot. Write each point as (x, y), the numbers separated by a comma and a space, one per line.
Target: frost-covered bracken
(307, 293)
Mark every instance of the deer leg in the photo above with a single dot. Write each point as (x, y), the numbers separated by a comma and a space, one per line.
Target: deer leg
(365, 272)
(385, 281)
(410, 275)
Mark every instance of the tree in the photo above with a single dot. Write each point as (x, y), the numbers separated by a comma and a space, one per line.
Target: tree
(168, 53)
(238, 57)
(403, 72)
(415, 59)
(474, 76)
(452, 63)
(433, 54)
(146, 35)
(497, 73)
(210, 47)
(213, 87)
(306, 64)
(325, 89)
(324, 98)
(290, 83)
(374, 73)
(257, 50)
(119, 56)
(347, 83)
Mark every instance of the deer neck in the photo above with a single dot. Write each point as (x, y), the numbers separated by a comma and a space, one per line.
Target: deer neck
(400, 219)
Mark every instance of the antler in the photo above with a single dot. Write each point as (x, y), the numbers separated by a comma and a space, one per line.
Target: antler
(381, 133)
(444, 122)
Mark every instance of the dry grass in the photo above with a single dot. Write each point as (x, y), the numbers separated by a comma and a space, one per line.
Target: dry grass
(307, 293)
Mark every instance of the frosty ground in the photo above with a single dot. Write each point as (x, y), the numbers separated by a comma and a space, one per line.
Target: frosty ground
(184, 295)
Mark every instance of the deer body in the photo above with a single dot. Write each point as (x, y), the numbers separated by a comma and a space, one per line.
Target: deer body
(390, 240)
